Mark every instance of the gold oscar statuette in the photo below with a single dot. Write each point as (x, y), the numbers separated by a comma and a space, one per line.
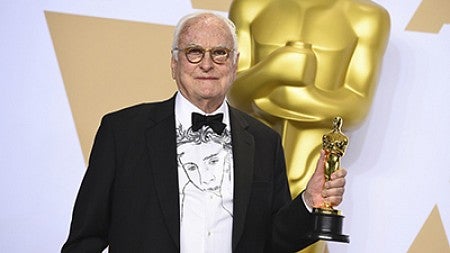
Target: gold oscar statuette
(327, 220)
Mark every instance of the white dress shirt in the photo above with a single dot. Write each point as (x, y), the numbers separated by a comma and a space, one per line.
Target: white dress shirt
(205, 177)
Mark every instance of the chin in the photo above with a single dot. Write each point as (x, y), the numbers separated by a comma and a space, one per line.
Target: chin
(211, 93)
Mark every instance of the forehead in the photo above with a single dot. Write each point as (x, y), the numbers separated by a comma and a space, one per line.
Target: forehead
(190, 150)
(206, 31)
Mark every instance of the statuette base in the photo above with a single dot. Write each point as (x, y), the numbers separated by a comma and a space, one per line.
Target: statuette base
(328, 226)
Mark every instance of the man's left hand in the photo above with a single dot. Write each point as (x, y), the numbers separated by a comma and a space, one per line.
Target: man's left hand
(319, 192)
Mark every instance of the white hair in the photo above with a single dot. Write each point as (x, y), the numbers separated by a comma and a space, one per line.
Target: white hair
(181, 24)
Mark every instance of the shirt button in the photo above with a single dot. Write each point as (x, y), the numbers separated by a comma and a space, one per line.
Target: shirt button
(209, 233)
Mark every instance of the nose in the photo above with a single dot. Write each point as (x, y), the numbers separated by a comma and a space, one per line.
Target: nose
(208, 176)
(206, 64)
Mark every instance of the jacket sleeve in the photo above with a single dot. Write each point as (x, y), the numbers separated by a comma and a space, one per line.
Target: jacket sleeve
(291, 220)
(90, 218)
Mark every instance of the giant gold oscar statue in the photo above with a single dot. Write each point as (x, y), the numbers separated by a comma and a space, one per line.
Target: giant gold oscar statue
(301, 63)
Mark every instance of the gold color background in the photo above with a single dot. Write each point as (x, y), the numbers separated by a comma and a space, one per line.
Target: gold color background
(430, 16)
(109, 64)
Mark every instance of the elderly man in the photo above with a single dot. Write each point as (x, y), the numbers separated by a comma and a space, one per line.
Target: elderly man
(193, 174)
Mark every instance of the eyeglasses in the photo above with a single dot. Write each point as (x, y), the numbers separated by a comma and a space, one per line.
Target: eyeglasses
(195, 54)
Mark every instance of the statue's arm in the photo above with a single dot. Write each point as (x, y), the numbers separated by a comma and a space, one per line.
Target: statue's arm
(353, 99)
(371, 25)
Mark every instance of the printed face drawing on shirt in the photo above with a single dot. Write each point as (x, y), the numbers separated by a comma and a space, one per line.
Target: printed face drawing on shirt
(204, 157)
(205, 171)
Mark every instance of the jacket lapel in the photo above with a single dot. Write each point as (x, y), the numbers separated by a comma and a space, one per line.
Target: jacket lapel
(243, 151)
(161, 143)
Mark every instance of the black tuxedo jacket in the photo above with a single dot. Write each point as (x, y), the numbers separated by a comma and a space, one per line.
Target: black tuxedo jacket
(129, 197)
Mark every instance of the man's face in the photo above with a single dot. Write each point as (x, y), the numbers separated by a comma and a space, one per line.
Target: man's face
(206, 80)
(206, 172)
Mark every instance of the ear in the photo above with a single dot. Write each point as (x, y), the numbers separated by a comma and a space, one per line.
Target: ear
(173, 67)
(236, 64)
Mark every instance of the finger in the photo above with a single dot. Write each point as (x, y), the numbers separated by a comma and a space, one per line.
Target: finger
(336, 183)
(333, 201)
(335, 192)
(333, 196)
(322, 156)
(321, 162)
(324, 194)
(339, 173)
(318, 178)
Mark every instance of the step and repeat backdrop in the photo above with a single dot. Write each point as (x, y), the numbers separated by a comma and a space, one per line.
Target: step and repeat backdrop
(63, 64)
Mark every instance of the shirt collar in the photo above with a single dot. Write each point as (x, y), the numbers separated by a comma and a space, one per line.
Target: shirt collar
(184, 108)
